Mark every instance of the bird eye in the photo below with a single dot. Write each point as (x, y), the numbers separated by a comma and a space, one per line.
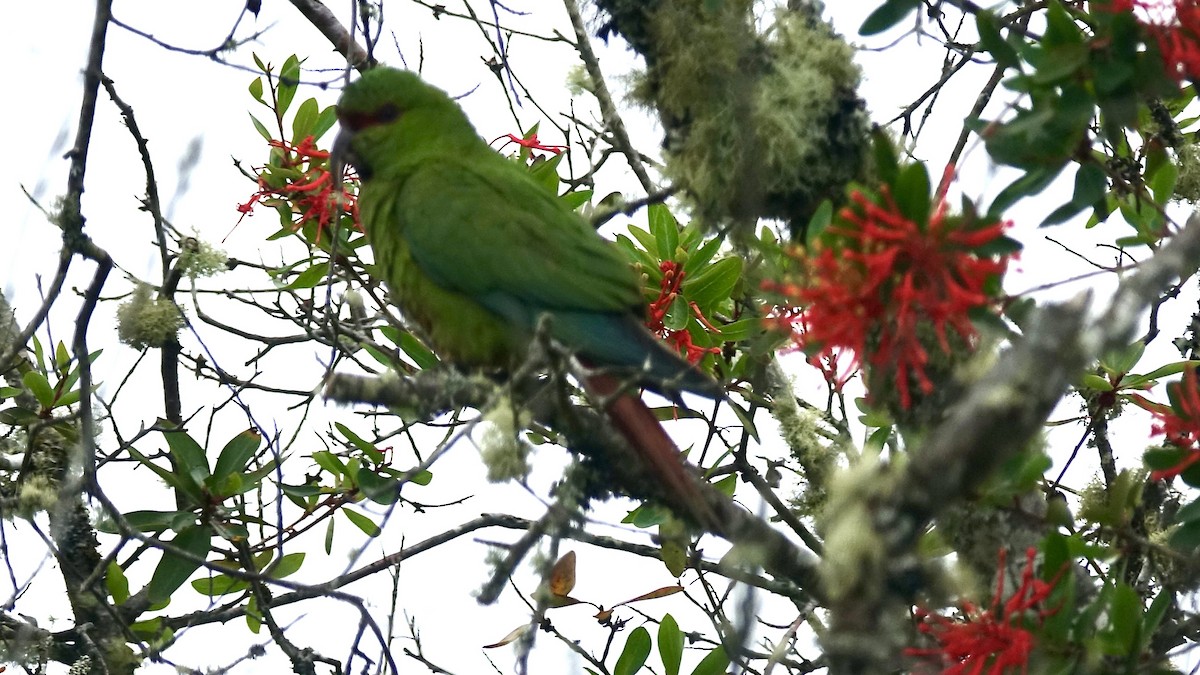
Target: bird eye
(388, 112)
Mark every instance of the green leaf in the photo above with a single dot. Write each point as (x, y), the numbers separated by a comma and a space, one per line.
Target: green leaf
(157, 521)
(300, 490)
(670, 645)
(189, 456)
(1154, 616)
(422, 477)
(251, 480)
(1186, 539)
(576, 199)
(1034, 181)
(1159, 373)
(742, 329)
(68, 399)
(1121, 361)
(819, 222)
(417, 351)
(182, 483)
(715, 663)
(363, 523)
(262, 129)
(1125, 616)
(256, 89)
(726, 486)
(324, 122)
(368, 449)
(383, 491)
(1094, 381)
(746, 421)
(877, 440)
(887, 15)
(635, 653)
(644, 238)
(39, 354)
(1162, 182)
(253, 617)
(714, 284)
(1061, 62)
(62, 358)
(218, 585)
(309, 278)
(330, 462)
(911, 193)
(1160, 459)
(287, 565)
(237, 453)
(665, 230)
(992, 42)
(1189, 512)
(116, 583)
(73, 377)
(39, 386)
(305, 120)
(699, 258)
(289, 82)
(678, 314)
(1090, 185)
(545, 172)
(1060, 27)
(635, 253)
(173, 570)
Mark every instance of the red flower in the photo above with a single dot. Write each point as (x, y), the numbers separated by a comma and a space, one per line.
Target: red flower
(994, 636)
(657, 313)
(311, 194)
(532, 143)
(882, 276)
(1175, 26)
(1181, 424)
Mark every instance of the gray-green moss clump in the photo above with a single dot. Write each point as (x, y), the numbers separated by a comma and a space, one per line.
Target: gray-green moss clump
(147, 321)
(758, 125)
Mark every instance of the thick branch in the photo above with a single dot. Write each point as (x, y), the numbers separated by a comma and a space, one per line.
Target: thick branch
(324, 20)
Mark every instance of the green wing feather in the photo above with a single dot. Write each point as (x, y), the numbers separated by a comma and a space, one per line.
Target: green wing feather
(491, 233)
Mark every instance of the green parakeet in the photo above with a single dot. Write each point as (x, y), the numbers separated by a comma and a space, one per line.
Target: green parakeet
(476, 253)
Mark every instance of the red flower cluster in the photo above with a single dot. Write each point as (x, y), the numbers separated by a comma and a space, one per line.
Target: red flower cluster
(311, 194)
(884, 277)
(1175, 26)
(1181, 427)
(994, 635)
(531, 143)
(657, 312)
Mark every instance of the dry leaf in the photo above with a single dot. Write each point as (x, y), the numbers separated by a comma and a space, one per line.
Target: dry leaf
(562, 575)
(556, 601)
(512, 636)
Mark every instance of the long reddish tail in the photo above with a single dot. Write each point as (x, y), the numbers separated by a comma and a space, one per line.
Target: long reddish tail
(637, 423)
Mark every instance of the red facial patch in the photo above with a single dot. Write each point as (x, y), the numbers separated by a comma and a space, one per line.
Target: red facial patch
(357, 121)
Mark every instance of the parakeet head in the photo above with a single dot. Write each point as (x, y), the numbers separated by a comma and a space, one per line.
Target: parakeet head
(388, 116)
